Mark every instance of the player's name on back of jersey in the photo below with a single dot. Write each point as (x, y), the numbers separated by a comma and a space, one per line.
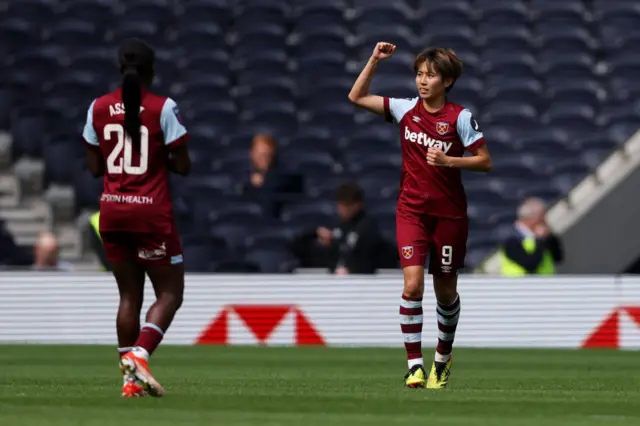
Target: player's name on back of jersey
(126, 199)
(118, 109)
(425, 140)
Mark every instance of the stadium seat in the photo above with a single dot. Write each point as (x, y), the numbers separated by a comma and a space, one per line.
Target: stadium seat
(199, 39)
(585, 92)
(101, 12)
(272, 260)
(57, 157)
(225, 112)
(205, 11)
(339, 122)
(198, 257)
(28, 131)
(35, 11)
(503, 15)
(549, 142)
(515, 116)
(524, 90)
(159, 11)
(561, 73)
(517, 67)
(259, 45)
(252, 16)
(578, 118)
(549, 16)
(618, 23)
(317, 44)
(568, 40)
(382, 14)
(462, 40)
(314, 18)
(75, 34)
(451, 15)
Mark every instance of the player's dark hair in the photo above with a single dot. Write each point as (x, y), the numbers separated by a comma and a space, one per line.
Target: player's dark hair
(137, 60)
(443, 61)
(349, 193)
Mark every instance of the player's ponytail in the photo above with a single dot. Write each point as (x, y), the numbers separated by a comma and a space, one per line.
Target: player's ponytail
(137, 60)
(132, 99)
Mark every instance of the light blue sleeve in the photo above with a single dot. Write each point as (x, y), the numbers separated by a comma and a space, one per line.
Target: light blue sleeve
(468, 128)
(89, 133)
(171, 122)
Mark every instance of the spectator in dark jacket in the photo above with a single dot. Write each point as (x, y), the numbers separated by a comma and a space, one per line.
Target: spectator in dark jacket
(353, 245)
(12, 254)
(265, 179)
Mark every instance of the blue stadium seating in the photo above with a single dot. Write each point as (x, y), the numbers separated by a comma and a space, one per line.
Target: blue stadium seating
(553, 84)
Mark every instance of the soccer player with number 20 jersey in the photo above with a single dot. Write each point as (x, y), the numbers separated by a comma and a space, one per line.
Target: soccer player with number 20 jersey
(431, 215)
(135, 138)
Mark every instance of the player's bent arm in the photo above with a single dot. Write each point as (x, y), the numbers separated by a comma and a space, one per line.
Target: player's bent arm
(360, 95)
(175, 138)
(179, 160)
(95, 161)
(479, 162)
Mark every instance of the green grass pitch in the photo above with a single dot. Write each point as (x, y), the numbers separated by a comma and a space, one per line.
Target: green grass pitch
(62, 385)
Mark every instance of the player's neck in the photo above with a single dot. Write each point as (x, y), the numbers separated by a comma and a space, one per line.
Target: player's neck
(434, 105)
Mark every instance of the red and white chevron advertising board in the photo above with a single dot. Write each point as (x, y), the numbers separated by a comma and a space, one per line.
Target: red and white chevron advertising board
(557, 312)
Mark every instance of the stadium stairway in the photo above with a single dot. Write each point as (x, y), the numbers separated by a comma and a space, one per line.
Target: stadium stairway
(598, 220)
(27, 210)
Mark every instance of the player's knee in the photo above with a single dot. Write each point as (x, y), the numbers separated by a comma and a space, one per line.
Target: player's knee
(173, 300)
(446, 288)
(413, 282)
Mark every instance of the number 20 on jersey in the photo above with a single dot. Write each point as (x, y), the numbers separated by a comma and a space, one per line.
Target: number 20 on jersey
(120, 159)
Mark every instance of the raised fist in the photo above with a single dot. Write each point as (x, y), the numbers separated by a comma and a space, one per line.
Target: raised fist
(384, 51)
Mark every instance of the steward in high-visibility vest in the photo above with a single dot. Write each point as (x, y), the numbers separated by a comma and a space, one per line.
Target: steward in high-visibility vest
(523, 253)
(96, 240)
(539, 259)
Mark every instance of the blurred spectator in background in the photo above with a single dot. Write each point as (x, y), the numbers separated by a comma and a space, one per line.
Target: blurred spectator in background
(531, 248)
(265, 180)
(353, 245)
(45, 254)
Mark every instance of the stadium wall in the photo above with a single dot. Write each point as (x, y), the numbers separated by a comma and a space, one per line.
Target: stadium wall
(559, 312)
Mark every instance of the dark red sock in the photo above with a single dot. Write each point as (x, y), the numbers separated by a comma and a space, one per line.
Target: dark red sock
(150, 337)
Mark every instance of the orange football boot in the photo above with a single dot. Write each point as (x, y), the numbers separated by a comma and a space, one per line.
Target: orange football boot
(137, 367)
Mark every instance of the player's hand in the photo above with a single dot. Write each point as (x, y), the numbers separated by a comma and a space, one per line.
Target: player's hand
(437, 157)
(383, 51)
(324, 236)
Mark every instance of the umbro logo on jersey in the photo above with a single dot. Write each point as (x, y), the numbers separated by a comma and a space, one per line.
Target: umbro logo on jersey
(424, 140)
(416, 118)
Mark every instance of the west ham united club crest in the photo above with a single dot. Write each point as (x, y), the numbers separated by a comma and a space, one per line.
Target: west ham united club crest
(407, 252)
(442, 128)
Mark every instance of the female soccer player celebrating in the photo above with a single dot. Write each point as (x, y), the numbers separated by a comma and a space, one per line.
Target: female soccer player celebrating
(134, 138)
(431, 215)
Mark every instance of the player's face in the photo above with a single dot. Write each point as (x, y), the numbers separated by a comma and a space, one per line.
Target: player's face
(429, 82)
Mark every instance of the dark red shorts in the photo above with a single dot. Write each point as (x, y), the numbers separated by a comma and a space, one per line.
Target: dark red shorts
(152, 249)
(443, 240)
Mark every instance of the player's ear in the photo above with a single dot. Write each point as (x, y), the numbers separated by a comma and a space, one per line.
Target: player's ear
(448, 82)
